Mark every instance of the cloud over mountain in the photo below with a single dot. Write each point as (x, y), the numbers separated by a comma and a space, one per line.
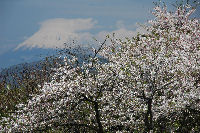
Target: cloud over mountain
(54, 33)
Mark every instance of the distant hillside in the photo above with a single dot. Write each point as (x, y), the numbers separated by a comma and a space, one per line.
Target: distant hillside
(15, 73)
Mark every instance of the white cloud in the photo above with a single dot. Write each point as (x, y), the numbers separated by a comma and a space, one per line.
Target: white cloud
(122, 31)
(55, 32)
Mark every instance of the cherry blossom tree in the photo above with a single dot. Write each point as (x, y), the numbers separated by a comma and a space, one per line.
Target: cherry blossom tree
(162, 66)
(143, 79)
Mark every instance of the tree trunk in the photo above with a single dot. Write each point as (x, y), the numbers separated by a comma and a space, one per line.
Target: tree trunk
(97, 115)
(149, 116)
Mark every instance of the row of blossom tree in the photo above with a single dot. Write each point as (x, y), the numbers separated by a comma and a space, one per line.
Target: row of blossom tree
(143, 79)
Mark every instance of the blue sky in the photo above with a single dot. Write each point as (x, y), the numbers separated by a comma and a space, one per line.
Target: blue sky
(30, 28)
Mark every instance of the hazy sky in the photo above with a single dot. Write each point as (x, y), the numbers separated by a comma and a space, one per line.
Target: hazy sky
(29, 28)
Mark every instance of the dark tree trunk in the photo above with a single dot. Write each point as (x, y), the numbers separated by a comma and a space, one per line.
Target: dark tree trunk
(97, 115)
(149, 116)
